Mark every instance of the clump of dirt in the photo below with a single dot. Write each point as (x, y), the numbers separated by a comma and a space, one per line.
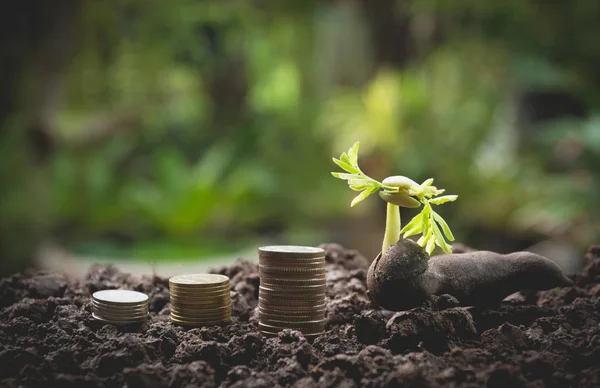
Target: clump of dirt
(550, 338)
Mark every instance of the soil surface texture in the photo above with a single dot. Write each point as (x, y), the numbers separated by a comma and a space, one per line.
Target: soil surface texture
(48, 337)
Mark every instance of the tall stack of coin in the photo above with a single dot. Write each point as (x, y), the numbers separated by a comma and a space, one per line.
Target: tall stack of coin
(200, 300)
(292, 290)
(120, 307)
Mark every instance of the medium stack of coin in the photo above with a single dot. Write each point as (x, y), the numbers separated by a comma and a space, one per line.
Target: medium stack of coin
(200, 300)
(292, 290)
(120, 307)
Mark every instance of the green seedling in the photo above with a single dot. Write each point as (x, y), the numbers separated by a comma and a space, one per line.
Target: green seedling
(400, 191)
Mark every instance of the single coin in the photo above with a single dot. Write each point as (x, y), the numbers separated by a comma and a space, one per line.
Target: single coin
(198, 324)
(278, 298)
(222, 300)
(270, 281)
(321, 288)
(287, 307)
(283, 315)
(96, 305)
(309, 337)
(199, 280)
(293, 294)
(296, 270)
(265, 318)
(208, 318)
(199, 287)
(292, 304)
(119, 297)
(200, 317)
(310, 329)
(117, 322)
(290, 251)
(186, 311)
(295, 273)
(120, 318)
(200, 298)
(295, 263)
(292, 312)
(275, 297)
(200, 292)
(103, 310)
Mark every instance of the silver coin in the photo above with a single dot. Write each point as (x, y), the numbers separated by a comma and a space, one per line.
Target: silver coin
(120, 297)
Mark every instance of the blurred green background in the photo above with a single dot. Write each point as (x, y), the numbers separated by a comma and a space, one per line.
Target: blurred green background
(191, 129)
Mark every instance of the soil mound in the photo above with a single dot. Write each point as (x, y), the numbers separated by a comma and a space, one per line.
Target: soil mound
(48, 337)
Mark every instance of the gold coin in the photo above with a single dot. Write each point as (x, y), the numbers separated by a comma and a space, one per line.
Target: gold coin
(182, 311)
(291, 312)
(199, 291)
(289, 304)
(201, 298)
(312, 327)
(291, 294)
(266, 318)
(290, 251)
(199, 280)
(201, 320)
(198, 324)
(292, 298)
(275, 297)
(270, 281)
(120, 297)
(300, 275)
(265, 305)
(201, 302)
(283, 315)
(319, 289)
(208, 318)
(293, 270)
(309, 263)
(200, 295)
(207, 288)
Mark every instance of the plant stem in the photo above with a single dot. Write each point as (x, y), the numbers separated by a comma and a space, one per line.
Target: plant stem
(392, 227)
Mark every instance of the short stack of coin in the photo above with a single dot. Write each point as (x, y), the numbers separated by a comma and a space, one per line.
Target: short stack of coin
(200, 300)
(120, 307)
(292, 290)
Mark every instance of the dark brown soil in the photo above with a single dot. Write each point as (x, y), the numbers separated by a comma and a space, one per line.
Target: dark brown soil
(48, 337)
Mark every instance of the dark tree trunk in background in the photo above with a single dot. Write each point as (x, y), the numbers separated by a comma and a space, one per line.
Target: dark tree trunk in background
(36, 44)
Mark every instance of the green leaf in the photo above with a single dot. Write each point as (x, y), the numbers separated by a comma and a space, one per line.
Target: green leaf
(357, 187)
(425, 220)
(344, 158)
(444, 225)
(430, 246)
(413, 227)
(443, 199)
(344, 176)
(439, 238)
(353, 154)
(428, 182)
(345, 166)
(360, 197)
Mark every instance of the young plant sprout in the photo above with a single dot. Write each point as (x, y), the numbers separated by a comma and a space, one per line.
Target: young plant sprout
(400, 191)
(404, 275)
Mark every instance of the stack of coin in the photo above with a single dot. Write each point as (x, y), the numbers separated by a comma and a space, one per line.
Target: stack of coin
(292, 290)
(200, 300)
(120, 307)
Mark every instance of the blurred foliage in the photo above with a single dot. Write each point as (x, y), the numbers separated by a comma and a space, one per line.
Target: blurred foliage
(207, 122)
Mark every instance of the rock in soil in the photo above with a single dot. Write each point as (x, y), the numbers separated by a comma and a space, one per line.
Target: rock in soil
(550, 339)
